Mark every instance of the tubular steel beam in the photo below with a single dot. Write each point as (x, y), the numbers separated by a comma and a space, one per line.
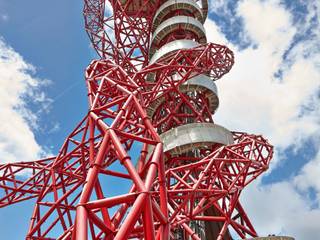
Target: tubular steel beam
(147, 161)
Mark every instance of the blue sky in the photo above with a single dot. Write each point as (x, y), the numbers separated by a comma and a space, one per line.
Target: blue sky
(273, 89)
(51, 37)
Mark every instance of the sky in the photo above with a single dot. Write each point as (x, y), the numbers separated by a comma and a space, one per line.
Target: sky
(273, 89)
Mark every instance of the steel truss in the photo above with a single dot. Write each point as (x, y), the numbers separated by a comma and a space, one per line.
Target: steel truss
(113, 177)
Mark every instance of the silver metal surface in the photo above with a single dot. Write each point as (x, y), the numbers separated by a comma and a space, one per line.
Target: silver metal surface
(201, 80)
(172, 5)
(171, 47)
(198, 83)
(173, 24)
(194, 135)
(203, 83)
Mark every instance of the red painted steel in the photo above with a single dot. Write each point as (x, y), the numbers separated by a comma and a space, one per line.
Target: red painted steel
(111, 178)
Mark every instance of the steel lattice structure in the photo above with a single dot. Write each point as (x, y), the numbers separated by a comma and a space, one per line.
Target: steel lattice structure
(150, 131)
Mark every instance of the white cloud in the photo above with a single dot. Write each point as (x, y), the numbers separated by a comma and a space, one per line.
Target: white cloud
(286, 208)
(17, 121)
(280, 209)
(267, 23)
(261, 102)
(4, 17)
(253, 100)
(214, 34)
(308, 178)
(284, 109)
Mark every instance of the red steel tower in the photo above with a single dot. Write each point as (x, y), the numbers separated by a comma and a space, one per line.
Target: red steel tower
(147, 161)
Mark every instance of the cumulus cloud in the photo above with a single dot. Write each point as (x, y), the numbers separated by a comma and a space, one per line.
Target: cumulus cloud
(4, 17)
(287, 207)
(19, 88)
(280, 209)
(308, 178)
(269, 104)
(273, 89)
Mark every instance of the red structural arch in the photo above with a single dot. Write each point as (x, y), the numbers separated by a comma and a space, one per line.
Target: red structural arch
(148, 160)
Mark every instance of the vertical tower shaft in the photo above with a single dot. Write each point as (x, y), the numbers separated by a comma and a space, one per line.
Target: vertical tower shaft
(184, 117)
(147, 161)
